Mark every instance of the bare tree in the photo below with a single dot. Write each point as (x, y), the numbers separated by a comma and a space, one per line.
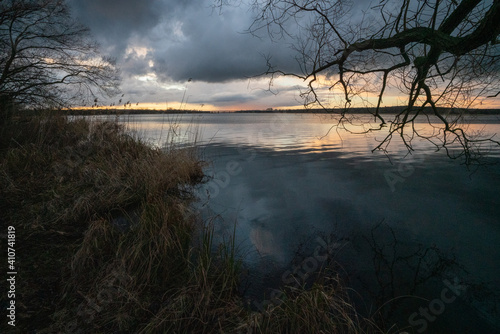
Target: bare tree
(441, 55)
(47, 59)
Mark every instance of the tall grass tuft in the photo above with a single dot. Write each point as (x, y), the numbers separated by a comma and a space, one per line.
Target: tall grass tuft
(323, 308)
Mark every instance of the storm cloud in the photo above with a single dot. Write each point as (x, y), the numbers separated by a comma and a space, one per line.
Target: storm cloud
(113, 22)
(161, 45)
(178, 40)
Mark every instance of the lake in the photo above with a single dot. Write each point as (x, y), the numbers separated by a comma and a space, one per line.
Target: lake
(417, 237)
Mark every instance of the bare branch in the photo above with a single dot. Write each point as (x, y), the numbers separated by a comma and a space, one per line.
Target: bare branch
(440, 54)
(47, 58)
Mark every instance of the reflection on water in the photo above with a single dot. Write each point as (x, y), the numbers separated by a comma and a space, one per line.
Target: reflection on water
(410, 225)
(301, 133)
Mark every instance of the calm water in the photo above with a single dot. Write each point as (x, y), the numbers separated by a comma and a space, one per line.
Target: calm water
(299, 194)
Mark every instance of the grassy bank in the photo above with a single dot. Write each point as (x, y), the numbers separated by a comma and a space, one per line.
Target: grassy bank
(107, 242)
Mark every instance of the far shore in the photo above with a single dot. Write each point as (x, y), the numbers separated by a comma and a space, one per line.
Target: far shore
(384, 110)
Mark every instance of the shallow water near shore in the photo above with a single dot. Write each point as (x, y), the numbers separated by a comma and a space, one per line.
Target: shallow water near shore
(298, 193)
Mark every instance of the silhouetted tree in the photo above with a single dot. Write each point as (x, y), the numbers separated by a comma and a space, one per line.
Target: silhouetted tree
(442, 55)
(47, 59)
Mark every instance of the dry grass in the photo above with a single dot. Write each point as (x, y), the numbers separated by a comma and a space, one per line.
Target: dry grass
(108, 242)
(323, 308)
(66, 186)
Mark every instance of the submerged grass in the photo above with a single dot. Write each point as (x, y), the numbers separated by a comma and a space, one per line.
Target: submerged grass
(107, 242)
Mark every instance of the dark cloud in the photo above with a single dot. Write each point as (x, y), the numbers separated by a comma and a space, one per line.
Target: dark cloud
(217, 49)
(185, 39)
(160, 44)
(219, 60)
(113, 22)
(136, 64)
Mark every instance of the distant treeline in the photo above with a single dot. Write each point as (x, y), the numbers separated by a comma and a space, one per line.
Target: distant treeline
(385, 110)
(86, 112)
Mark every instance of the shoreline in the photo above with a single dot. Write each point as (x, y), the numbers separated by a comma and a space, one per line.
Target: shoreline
(382, 111)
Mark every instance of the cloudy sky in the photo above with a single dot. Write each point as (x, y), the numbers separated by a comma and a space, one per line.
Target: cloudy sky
(161, 44)
(188, 54)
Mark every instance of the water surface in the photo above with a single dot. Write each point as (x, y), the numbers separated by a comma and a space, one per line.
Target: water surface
(396, 224)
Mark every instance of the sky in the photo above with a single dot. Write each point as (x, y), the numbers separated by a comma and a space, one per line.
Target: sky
(186, 54)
